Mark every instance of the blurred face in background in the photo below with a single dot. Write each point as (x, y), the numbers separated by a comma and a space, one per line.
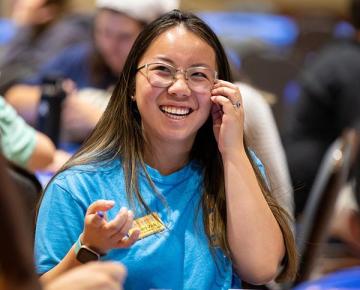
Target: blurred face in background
(115, 33)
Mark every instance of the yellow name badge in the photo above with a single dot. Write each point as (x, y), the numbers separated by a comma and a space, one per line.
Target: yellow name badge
(148, 225)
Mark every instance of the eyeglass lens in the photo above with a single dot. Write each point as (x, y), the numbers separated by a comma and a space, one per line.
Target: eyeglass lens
(199, 79)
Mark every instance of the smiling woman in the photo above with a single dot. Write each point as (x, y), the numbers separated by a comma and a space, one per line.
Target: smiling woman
(169, 154)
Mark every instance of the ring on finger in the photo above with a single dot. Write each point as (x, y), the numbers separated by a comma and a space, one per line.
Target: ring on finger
(237, 104)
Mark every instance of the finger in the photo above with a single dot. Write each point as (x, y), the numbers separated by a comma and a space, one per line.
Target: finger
(95, 219)
(232, 93)
(101, 204)
(220, 83)
(228, 89)
(128, 242)
(118, 222)
(226, 104)
(124, 230)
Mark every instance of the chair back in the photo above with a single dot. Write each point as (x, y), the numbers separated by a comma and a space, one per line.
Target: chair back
(333, 173)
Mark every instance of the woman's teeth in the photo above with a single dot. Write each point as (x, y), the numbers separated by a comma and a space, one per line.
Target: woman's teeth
(175, 111)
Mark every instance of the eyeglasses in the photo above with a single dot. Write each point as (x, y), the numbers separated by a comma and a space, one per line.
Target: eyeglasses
(199, 79)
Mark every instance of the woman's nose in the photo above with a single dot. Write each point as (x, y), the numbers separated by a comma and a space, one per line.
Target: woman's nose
(179, 86)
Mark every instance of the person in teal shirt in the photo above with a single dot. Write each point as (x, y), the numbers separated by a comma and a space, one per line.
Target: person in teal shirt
(165, 183)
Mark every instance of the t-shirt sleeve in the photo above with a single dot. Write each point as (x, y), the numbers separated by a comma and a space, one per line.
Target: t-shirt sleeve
(59, 223)
(261, 167)
(17, 138)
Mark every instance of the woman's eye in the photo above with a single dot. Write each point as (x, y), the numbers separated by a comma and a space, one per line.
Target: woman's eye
(199, 75)
(161, 69)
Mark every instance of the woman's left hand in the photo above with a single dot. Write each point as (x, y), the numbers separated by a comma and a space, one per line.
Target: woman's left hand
(228, 117)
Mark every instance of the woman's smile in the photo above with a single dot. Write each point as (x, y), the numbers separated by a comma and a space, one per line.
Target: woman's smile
(176, 113)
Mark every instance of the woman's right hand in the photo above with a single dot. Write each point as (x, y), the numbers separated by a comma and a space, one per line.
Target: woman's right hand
(102, 235)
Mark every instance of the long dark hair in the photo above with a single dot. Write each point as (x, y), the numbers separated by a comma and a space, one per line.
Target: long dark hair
(119, 135)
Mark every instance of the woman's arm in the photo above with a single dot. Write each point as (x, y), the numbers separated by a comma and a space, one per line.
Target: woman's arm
(254, 236)
(67, 263)
(20, 143)
(25, 99)
(42, 154)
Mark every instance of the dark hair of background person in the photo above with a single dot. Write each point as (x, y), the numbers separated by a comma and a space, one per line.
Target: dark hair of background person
(119, 134)
(16, 255)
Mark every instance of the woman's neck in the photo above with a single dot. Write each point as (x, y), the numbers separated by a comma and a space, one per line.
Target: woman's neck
(166, 158)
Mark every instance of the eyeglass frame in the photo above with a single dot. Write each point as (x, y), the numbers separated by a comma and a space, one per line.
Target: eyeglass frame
(177, 70)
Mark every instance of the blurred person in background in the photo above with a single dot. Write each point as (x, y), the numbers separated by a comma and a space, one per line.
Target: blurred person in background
(44, 28)
(93, 66)
(26, 147)
(329, 102)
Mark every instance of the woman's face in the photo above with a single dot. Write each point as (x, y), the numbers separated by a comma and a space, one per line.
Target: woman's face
(115, 33)
(175, 113)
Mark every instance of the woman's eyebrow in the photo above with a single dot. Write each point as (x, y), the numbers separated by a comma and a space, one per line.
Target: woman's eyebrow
(168, 60)
(165, 59)
(200, 64)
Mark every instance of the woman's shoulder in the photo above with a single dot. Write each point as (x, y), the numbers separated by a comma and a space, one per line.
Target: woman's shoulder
(92, 171)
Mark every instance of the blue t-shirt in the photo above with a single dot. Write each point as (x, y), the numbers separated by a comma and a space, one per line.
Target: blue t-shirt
(177, 258)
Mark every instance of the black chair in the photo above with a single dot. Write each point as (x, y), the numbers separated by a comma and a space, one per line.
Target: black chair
(334, 172)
